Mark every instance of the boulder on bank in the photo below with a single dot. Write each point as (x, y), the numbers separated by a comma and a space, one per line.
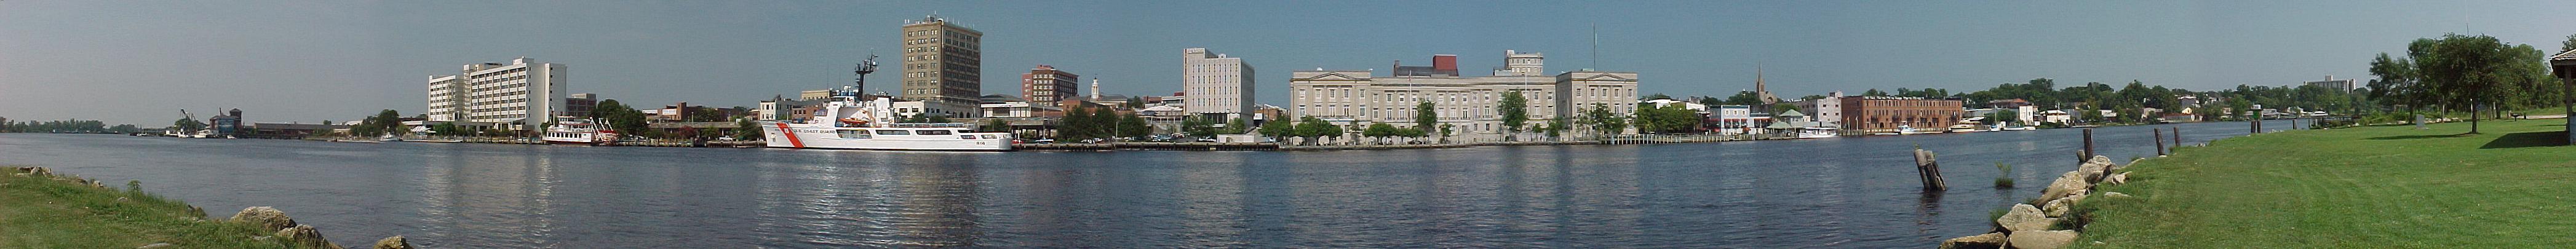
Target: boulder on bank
(395, 242)
(2056, 208)
(2024, 217)
(2065, 184)
(2042, 239)
(2116, 179)
(1980, 241)
(304, 236)
(2094, 169)
(267, 218)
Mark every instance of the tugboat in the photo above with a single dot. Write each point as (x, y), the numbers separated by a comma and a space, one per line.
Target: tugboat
(580, 131)
(848, 122)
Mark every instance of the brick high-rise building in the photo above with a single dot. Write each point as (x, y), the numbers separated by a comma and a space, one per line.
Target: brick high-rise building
(942, 66)
(1046, 84)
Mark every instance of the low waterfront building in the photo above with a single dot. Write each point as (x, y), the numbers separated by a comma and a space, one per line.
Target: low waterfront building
(1361, 97)
(1022, 109)
(1887, 113)
(1737, 119)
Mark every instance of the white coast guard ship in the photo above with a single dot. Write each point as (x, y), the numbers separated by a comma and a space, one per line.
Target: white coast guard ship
(848, 123)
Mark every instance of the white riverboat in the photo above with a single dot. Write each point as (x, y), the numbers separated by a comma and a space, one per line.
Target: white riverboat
(1817, 132)
(576, 131)
(848, 123)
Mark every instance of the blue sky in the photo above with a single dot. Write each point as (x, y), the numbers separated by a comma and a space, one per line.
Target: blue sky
(139, 61)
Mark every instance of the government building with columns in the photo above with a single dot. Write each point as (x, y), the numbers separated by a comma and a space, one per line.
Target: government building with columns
(1362, 97)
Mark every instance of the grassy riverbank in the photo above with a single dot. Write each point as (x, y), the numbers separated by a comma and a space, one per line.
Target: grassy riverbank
(2367, 187)
(37, 211)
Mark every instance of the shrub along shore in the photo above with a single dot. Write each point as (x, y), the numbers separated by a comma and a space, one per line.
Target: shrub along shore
(2361, 187)
(40, 208)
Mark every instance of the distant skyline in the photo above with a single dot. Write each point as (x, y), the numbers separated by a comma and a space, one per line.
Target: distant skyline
(299, 61)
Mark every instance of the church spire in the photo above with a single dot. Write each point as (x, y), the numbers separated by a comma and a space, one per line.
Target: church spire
(1760, 88)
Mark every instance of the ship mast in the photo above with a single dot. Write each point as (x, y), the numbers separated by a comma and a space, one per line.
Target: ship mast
(861, 85)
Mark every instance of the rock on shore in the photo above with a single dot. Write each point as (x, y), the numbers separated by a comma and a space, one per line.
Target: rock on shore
(305, 237)
(268, 218)
(1981, 241)
(2027, 226)
(395, 242)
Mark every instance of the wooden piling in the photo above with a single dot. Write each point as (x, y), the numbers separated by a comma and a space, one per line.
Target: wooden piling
(1929, 170)
(2088, 146)
(2160, 141)
(2177, 136)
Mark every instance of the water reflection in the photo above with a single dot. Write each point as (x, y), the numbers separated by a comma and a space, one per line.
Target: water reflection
(1843, 192)
(510, 192)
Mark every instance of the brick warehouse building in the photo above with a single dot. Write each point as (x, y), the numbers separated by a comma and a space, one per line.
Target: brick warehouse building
(1885, 114)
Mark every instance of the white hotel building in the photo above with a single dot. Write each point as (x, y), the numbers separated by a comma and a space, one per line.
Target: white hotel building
(1359, 97)
(523, 92)
(1217, 85)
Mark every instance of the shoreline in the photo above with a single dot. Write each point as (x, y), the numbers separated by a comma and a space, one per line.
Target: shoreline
(47, 209)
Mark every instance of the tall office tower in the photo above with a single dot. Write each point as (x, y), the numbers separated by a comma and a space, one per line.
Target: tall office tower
(1217, 85)
(942, 65)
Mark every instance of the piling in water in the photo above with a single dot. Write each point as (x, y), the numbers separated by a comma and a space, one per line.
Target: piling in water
(2088, 146)
(2160, 141)
(1929, 171)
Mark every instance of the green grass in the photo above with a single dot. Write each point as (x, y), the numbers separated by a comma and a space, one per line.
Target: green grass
(2514, 186)
(38, 212)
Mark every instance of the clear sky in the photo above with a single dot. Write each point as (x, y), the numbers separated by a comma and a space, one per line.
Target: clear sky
(140, 61)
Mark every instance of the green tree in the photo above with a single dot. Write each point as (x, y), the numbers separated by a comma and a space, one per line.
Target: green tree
(1236, 126)
(1555, 129)
(1515, 111)
(2476, 72)
(1425, 115)
(2569, 45)
(1447, 130)
(1666, 119)
(1134, 127)
(1315, 129)
(1603, 121)
(1198, 127)
(1277, 128)
(1378, 132)
(745, 129)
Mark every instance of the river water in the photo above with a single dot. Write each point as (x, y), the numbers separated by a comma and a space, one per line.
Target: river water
(1838, 192)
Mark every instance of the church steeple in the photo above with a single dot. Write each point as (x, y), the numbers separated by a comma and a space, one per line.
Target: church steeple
(1760, 89)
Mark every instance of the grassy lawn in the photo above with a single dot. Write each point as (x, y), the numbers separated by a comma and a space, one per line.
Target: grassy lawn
(36, 212)
(2372, 187)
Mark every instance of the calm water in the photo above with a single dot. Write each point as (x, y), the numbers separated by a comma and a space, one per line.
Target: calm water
(1842, 192)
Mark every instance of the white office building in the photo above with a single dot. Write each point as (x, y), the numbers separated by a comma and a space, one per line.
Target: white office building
(1217, 85)
(1362, 97)
(524, 93)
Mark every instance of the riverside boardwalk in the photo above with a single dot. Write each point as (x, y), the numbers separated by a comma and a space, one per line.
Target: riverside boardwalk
(2366, 187)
